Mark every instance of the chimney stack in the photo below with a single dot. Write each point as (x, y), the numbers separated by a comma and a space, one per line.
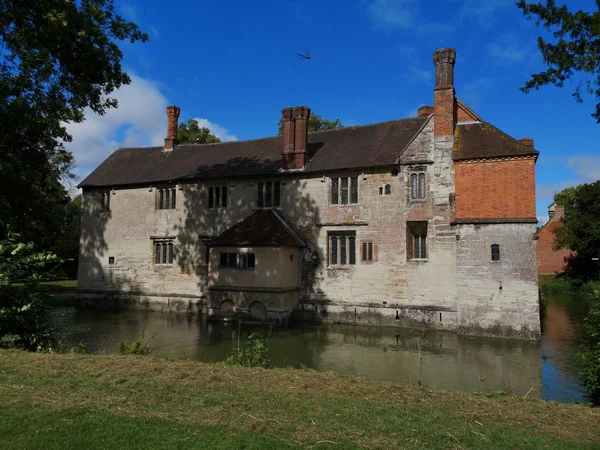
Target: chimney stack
(527, 141)
(295, 137)
(444, 98)
(425, 111)
(172, 124)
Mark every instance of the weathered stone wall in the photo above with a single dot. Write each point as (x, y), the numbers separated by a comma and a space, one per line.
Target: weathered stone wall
(497, 297)
(392, 290)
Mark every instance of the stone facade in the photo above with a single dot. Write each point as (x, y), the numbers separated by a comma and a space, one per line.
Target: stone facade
(424, 267)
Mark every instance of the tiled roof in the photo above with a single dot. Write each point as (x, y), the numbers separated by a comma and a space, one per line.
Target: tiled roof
(265, 227)
(483, 140)
(344, 148)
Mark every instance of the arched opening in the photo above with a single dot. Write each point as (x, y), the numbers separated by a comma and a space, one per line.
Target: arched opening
(226, 309)
(258, 311)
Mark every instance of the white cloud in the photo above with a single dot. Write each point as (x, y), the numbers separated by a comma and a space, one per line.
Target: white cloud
(507, 48)
(403, 15)
(140, 120)
(587, 167)
(219, 131)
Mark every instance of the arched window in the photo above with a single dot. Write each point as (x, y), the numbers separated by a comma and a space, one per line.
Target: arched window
(495, 252)
(388, 189)
(417, 186)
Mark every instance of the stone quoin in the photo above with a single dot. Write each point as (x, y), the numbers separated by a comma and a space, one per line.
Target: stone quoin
(426, 221)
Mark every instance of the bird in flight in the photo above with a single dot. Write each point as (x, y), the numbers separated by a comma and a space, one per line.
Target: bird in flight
(305, 55)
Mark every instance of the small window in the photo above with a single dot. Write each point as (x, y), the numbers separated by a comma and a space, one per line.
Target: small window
(111, 260)
(344, 190)
(395, 172)
(237, 260)
(217, 197)
(495, 252)
(166, 198)
(368, 252)
(269, 194)
(342, 248)
(387, 189)
(416, 240)
(381, 191)
(104, 201)
(163, 253)
(418, 186)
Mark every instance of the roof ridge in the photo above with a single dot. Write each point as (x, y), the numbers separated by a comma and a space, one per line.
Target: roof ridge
(364, 125)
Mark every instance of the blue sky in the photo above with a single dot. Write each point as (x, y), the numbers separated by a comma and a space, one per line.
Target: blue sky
(233, 65)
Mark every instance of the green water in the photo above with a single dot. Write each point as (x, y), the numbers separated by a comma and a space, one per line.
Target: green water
(439, 359)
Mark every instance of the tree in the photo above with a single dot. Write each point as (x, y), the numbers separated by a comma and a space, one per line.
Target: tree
(192, 133)
(580, 231)
(57, 57)
(588, 356)
(316, 123)
(575, 51)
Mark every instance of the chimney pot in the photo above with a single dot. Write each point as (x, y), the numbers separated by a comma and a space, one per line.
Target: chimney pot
(425, 111)
(172, 124)
(527, 141)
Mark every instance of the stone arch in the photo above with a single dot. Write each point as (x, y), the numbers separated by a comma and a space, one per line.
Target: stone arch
(258, 311)
(226, 309)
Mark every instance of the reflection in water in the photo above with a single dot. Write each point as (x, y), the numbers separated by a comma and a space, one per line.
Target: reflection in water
(438, 359)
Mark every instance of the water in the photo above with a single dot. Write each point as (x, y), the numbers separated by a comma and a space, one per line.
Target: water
(439, 359)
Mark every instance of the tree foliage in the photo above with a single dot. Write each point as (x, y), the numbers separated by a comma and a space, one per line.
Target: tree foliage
(589, 356)
(580, 230)
(316, 123)
(192, 133)
(575, 50)
(23, 313)
(57, 57)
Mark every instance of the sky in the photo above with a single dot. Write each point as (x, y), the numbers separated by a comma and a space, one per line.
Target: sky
(233, 66)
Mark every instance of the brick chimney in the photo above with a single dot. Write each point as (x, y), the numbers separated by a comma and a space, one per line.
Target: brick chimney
(295, 137)
(172, 124)
(559, 211)
(527, 141)
(443, 94)
(425, 111)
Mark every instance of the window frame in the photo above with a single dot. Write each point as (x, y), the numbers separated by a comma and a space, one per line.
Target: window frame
(103, 202)
(341, 188)
(496, 254)
(368, 252)
(163, 252)
(217, 196)
(417, 192)
(237, 260)
(270, 190)
(342, 244)
(417, 245)
(166, 198)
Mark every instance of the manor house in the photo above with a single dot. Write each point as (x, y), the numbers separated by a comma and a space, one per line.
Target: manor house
(423, 221)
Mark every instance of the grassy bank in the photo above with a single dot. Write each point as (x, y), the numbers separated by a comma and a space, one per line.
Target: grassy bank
(96, 402)
(565, 285)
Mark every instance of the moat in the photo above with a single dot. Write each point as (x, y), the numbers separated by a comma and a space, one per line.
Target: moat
(439, 359)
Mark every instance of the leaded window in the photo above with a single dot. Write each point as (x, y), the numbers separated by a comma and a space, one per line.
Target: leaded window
(416, 242)
(495, 252)
(217, 197)
(344, 190)
(166, 198)
(368, 252)
(163, 253)
(418, 186)
(237, 260)
(269, 194)
(342, 249)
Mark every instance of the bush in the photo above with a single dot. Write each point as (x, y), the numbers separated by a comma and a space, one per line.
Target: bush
(589, 356)
(24, 316)
(254, 354)
(137, 347)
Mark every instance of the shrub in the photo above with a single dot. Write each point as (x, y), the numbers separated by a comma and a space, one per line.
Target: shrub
(254, 354)
(24, 316)
(589, 356)
(139, 346)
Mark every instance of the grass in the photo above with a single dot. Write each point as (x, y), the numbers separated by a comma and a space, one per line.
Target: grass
(101, 401)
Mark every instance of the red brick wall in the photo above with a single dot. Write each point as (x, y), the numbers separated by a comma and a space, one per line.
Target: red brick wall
(550, 261)
(495, 189)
